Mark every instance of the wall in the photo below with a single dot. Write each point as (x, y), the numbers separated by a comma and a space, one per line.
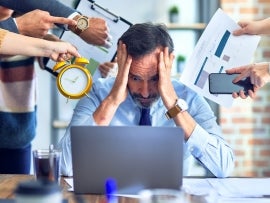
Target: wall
(150, 10)
(247, 124)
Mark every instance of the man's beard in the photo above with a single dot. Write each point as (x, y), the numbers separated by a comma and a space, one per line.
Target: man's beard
(144, 102)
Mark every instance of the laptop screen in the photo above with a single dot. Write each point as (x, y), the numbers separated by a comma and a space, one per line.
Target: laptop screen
(137, 157)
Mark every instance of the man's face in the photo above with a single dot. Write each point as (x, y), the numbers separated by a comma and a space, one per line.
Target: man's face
(143, 79)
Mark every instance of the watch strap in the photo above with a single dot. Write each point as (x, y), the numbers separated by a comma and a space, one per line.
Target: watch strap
(179, 106)
(75, 28)
(171, 113)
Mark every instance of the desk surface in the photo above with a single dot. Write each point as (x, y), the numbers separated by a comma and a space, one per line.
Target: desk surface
(8, 184)
(244, 186)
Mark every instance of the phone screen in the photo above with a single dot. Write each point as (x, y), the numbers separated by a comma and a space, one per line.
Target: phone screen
(221, 83)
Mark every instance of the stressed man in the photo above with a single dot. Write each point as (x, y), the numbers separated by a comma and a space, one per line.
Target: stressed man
(143, 93)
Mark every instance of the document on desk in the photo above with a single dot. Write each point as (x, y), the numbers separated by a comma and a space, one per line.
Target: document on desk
(241, 187)
(229, 187)
(217, 50)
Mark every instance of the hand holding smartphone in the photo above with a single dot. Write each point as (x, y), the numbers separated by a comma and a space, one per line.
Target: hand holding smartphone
(221, 83)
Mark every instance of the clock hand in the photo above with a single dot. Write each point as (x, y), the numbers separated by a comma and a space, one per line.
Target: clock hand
(76, 79)
(73, 81)
(69, 79)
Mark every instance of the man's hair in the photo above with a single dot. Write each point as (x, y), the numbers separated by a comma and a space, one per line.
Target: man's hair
(144, 38)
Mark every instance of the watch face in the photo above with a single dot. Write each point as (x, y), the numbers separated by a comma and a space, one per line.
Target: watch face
(82, 23)
(74, 82)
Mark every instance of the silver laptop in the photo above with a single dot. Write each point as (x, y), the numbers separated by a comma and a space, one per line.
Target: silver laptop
(137, 157)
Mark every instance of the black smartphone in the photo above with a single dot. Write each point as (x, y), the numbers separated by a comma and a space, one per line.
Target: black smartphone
(221, 83)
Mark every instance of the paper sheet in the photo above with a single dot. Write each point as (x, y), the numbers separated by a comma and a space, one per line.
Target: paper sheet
(229, 190)
(69, 181)
(241, 187)
(196, 186)
(216, 51)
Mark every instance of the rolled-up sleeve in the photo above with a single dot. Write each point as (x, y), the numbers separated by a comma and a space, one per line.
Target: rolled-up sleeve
(206, 143)
(211, 151)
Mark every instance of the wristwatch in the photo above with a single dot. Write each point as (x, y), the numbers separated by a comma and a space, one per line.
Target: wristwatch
(180, 106)
(82, 24)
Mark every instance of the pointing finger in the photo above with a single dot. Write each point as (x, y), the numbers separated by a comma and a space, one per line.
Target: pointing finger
(61, 20)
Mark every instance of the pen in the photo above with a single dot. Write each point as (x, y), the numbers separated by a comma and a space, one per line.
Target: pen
(111, 189)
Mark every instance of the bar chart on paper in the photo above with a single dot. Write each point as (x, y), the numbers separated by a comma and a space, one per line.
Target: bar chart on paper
(216, 51)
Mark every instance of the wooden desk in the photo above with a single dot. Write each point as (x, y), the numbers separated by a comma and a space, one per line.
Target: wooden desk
(8, 183)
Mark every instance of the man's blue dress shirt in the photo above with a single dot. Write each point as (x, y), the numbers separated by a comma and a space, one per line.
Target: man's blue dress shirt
(206, 143)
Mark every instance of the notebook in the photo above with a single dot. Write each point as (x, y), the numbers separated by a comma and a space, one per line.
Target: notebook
(136, 157)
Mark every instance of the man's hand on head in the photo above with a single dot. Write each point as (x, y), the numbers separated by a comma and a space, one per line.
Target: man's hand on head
(165, 86)
(119, 90)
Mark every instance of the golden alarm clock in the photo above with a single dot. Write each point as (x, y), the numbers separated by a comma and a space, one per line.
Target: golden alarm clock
(73, 80)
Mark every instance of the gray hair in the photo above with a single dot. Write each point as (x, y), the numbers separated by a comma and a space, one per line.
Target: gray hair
(144, 38)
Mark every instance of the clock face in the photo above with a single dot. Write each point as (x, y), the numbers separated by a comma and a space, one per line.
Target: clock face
(82, 23)
(74, 82)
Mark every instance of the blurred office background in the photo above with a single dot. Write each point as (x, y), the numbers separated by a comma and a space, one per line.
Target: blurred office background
(246, 125)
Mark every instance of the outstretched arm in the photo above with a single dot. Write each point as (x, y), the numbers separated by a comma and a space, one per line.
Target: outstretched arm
(30, 46)
(97, 33)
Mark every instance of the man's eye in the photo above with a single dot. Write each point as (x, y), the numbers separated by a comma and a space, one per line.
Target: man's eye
(155, 79)
(135, 78)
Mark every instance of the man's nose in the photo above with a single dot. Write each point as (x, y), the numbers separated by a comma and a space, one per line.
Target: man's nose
(145, 90)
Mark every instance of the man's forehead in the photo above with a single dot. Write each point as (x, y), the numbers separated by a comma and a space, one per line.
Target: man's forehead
(144, 76)
(146, 65)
